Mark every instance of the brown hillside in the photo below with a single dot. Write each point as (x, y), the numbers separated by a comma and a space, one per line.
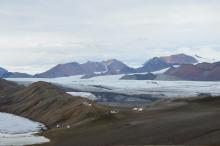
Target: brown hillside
(50, 105)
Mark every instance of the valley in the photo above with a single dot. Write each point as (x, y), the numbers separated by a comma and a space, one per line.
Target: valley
(109, 73)
(189, 119)
(129, 92)
(118, 105)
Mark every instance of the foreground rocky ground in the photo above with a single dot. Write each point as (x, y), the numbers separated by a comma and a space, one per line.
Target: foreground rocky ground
(192, 121)
(185, 122)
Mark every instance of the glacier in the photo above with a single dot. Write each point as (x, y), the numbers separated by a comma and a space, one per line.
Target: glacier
(113, 84)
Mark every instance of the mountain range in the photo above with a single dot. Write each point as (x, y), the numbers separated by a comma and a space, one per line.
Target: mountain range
(108, 67)
(179, 66)
(6, 74)
(114, 66)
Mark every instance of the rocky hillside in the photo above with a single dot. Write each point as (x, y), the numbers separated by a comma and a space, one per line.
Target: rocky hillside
(186, 121)
(198, 72)
(7, 88)
(48, 104)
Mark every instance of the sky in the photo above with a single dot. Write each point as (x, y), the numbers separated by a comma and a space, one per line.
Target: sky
(38, 34)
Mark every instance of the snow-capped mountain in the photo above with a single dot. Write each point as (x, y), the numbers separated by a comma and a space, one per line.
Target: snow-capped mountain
(203, 59)
(156, 65)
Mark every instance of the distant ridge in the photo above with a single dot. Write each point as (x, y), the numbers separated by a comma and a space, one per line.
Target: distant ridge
(6, 74)
(3, 71)
(112, 66)
(199, 72)
(92, 69)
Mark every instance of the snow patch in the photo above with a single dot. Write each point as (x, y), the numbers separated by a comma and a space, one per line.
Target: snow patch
(161, 71)
(21, 139)
(202, 59)
(15, 130)
(84, 94)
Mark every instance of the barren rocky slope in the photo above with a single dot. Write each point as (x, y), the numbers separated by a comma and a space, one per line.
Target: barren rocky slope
(178, 122)
(48, 104)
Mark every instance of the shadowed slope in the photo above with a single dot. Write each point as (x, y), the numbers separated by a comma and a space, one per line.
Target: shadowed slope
(50, 105)
(8, 87)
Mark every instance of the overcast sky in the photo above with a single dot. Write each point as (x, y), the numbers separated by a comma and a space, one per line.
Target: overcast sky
(38, 34)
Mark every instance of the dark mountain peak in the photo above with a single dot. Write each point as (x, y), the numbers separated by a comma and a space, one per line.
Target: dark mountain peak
(153, 64)
(91, 62)
(74, 63)
(179, 59)
(110, 67)
(154, 60)
(66, 64)
(198, 56)
(3, 71)
(159, 63)
(111, 61)
(62, 70)
(179, 54)
(114, 66)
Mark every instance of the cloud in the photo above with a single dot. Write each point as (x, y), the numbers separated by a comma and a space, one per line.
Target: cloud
(40, 34)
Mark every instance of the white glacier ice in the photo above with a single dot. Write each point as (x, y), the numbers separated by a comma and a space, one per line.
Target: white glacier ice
(112, 83)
